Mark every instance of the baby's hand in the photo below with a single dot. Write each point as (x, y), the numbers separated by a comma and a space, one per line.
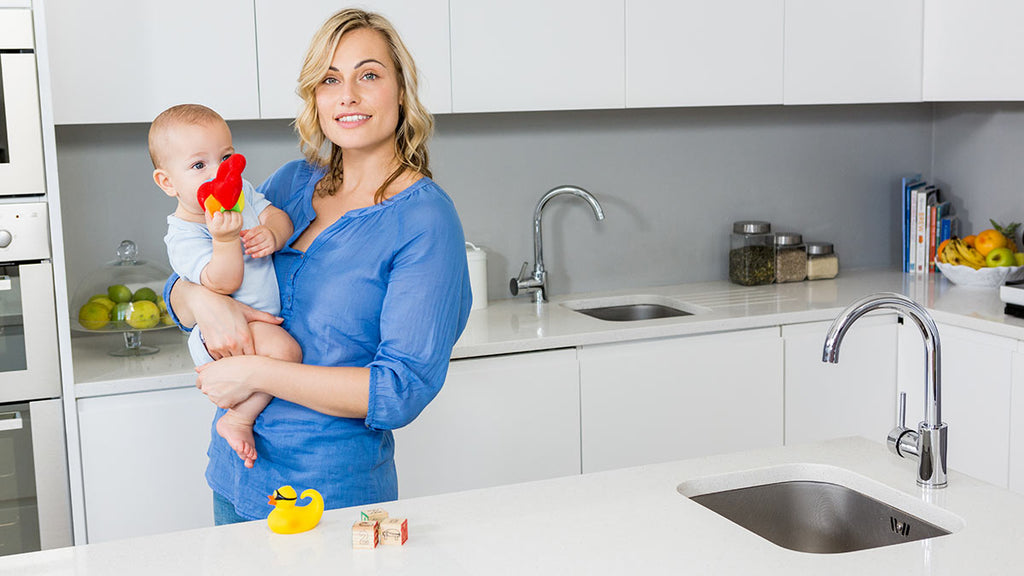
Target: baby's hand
(224, 226)
(258, 241)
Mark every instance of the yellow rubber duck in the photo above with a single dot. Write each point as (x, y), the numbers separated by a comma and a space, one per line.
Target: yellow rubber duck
(287, 518)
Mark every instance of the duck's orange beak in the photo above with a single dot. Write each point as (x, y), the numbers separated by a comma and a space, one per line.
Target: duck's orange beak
(271, 500)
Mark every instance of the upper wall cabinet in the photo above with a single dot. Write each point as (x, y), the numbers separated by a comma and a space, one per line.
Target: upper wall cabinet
(126, 61)
(699, 53)
(973, 50)
(838, 51)
(537, 55)
(285, 29)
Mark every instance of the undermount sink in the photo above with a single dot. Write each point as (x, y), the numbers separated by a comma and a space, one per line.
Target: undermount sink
(813, 508)
(632, 308)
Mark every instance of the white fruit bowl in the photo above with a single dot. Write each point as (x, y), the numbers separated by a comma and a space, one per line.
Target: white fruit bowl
(981, 278)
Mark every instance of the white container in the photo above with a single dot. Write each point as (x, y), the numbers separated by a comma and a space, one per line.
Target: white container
(477, 259)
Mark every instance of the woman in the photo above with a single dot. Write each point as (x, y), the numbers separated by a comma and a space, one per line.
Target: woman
(374, 285)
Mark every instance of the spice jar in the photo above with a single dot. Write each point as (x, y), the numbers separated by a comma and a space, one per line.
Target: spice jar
(790, 257)
(752, 253)
(822, 261)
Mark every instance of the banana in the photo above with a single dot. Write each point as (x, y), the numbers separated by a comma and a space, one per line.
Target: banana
(950, 254)
(969, 255)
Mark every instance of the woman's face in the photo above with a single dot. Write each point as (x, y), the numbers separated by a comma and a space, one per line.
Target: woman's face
(358, 99)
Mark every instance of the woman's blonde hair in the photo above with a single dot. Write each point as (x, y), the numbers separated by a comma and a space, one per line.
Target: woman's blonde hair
(415, 124)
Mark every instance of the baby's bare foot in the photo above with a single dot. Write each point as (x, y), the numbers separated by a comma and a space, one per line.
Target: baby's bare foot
(238, 434)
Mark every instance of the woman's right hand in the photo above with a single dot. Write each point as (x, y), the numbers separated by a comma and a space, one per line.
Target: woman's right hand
(222, 320)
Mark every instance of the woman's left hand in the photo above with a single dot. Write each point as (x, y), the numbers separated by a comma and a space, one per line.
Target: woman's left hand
(227, 382)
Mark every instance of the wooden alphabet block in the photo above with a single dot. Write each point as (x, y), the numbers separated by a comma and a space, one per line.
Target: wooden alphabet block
(394, 531)
(377, 514)
(365, 534)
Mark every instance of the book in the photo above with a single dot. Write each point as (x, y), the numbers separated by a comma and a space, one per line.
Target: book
(939, 212)
(909, 218)
(925, 197)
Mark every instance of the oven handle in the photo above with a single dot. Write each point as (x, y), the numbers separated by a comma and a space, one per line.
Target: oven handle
(10, 421)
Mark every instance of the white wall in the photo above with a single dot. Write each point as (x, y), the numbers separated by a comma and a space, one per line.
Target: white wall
(671, 182)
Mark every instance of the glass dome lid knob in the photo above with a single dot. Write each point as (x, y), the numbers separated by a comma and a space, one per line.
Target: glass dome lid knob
(127, 252)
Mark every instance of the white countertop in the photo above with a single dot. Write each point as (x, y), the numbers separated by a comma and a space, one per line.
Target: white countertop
(630, 521)
(519, 325)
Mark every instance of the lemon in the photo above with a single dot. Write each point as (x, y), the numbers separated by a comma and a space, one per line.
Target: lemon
(102, 299)
(119, 293)
(144, 294)
(121, 311)
(166, 319)
(144, 314)
(93, 316)
(161, 304)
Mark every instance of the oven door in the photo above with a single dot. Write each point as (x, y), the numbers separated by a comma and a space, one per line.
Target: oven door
(21, 140)
(29, 363)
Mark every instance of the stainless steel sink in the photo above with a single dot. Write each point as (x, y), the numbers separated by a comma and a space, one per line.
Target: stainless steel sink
(818, 517)
(632, 308)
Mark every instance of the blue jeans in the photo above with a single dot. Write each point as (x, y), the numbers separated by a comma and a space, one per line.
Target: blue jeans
(224, 511)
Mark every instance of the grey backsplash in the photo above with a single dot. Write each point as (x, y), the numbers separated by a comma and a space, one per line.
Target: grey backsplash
(671, 182)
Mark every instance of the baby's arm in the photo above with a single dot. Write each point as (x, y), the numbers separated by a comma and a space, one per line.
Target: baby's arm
(223, 273)
(274, 230)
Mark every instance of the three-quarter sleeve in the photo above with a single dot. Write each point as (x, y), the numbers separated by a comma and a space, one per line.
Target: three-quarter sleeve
(424, 311)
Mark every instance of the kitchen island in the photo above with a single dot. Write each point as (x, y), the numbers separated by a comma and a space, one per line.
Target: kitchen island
(627, 521)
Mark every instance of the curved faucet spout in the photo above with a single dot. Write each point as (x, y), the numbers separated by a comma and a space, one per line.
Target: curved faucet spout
(928, 443)
(536, 283)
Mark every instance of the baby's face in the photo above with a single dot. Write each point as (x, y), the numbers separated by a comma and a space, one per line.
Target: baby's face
(192, 155)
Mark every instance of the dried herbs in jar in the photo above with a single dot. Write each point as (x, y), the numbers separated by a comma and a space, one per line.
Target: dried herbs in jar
(752, 253)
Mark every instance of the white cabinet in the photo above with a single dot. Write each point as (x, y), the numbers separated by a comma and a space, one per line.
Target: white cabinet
(537, 55)
(973, 50)
(675, 398)
(976, 371)
(839, 51)
(143, 462)
(126, 61)
(1016, 481)
(856, 397)
(497, 420)
(285, 29)
(698, 53)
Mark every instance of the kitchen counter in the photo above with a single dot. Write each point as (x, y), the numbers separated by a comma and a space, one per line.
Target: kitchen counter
(629, 521)
(519, 325)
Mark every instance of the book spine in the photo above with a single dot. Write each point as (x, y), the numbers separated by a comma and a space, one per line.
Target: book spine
(932, 236)
(921, 252)
(912, 233)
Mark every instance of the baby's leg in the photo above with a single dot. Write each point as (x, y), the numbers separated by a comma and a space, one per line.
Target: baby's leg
(236, 425)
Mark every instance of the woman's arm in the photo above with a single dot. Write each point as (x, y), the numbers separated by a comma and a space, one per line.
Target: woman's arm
(223, 321)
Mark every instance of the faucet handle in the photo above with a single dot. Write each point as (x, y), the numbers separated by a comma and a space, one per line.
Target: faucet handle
(513, 285)
(903, 410)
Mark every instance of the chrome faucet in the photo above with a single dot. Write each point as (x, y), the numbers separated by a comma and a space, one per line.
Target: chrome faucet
(535, 283)
(928, 443)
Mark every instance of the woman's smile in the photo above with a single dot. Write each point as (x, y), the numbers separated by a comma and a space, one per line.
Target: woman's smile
(352, 120)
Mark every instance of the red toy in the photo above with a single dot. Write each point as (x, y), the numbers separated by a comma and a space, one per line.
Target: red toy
(224, 192)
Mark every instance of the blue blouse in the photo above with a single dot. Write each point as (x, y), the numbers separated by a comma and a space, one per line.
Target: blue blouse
(384, 287)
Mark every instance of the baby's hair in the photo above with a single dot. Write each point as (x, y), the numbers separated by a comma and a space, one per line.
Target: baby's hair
(188, 114)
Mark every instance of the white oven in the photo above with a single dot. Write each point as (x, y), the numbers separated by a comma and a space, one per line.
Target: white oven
(21, 139)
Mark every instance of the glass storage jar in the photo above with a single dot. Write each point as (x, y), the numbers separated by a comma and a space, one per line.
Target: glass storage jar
(752, 253)
(790, 257)
(822, 261)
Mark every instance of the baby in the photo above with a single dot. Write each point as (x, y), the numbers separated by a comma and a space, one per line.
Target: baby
(227, 251)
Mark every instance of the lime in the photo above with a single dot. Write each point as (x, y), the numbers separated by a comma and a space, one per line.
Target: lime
(119, 293)
(93, 316)
(144, 294)
(144, 315)
(121, 311)
(101, 299)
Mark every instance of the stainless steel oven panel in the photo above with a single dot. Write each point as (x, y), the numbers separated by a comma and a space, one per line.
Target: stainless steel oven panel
(53, 495)
(23, 174)
(41, 376)
(24, 232)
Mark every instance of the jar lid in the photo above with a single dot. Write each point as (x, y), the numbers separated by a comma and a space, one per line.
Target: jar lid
(819, 248)
(751, 227)
(788, 239)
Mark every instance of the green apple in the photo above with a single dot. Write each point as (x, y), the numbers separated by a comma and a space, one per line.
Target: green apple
(1000, 257)
(1018, 258)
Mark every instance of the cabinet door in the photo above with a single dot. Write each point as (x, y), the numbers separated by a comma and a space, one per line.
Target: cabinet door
(976, 372)
(838, 51)
(661, 400)
(126, 61)
(537, 55)
(973, 50)
(497, 420)
(285, 29)
(856, 397)
(143, 462)
(697, 53)
(1016, 481)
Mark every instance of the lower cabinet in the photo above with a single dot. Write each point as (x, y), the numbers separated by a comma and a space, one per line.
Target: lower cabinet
(857, 396)
(675, 398)
(143, 462)
(977, 373)
(497, 420)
